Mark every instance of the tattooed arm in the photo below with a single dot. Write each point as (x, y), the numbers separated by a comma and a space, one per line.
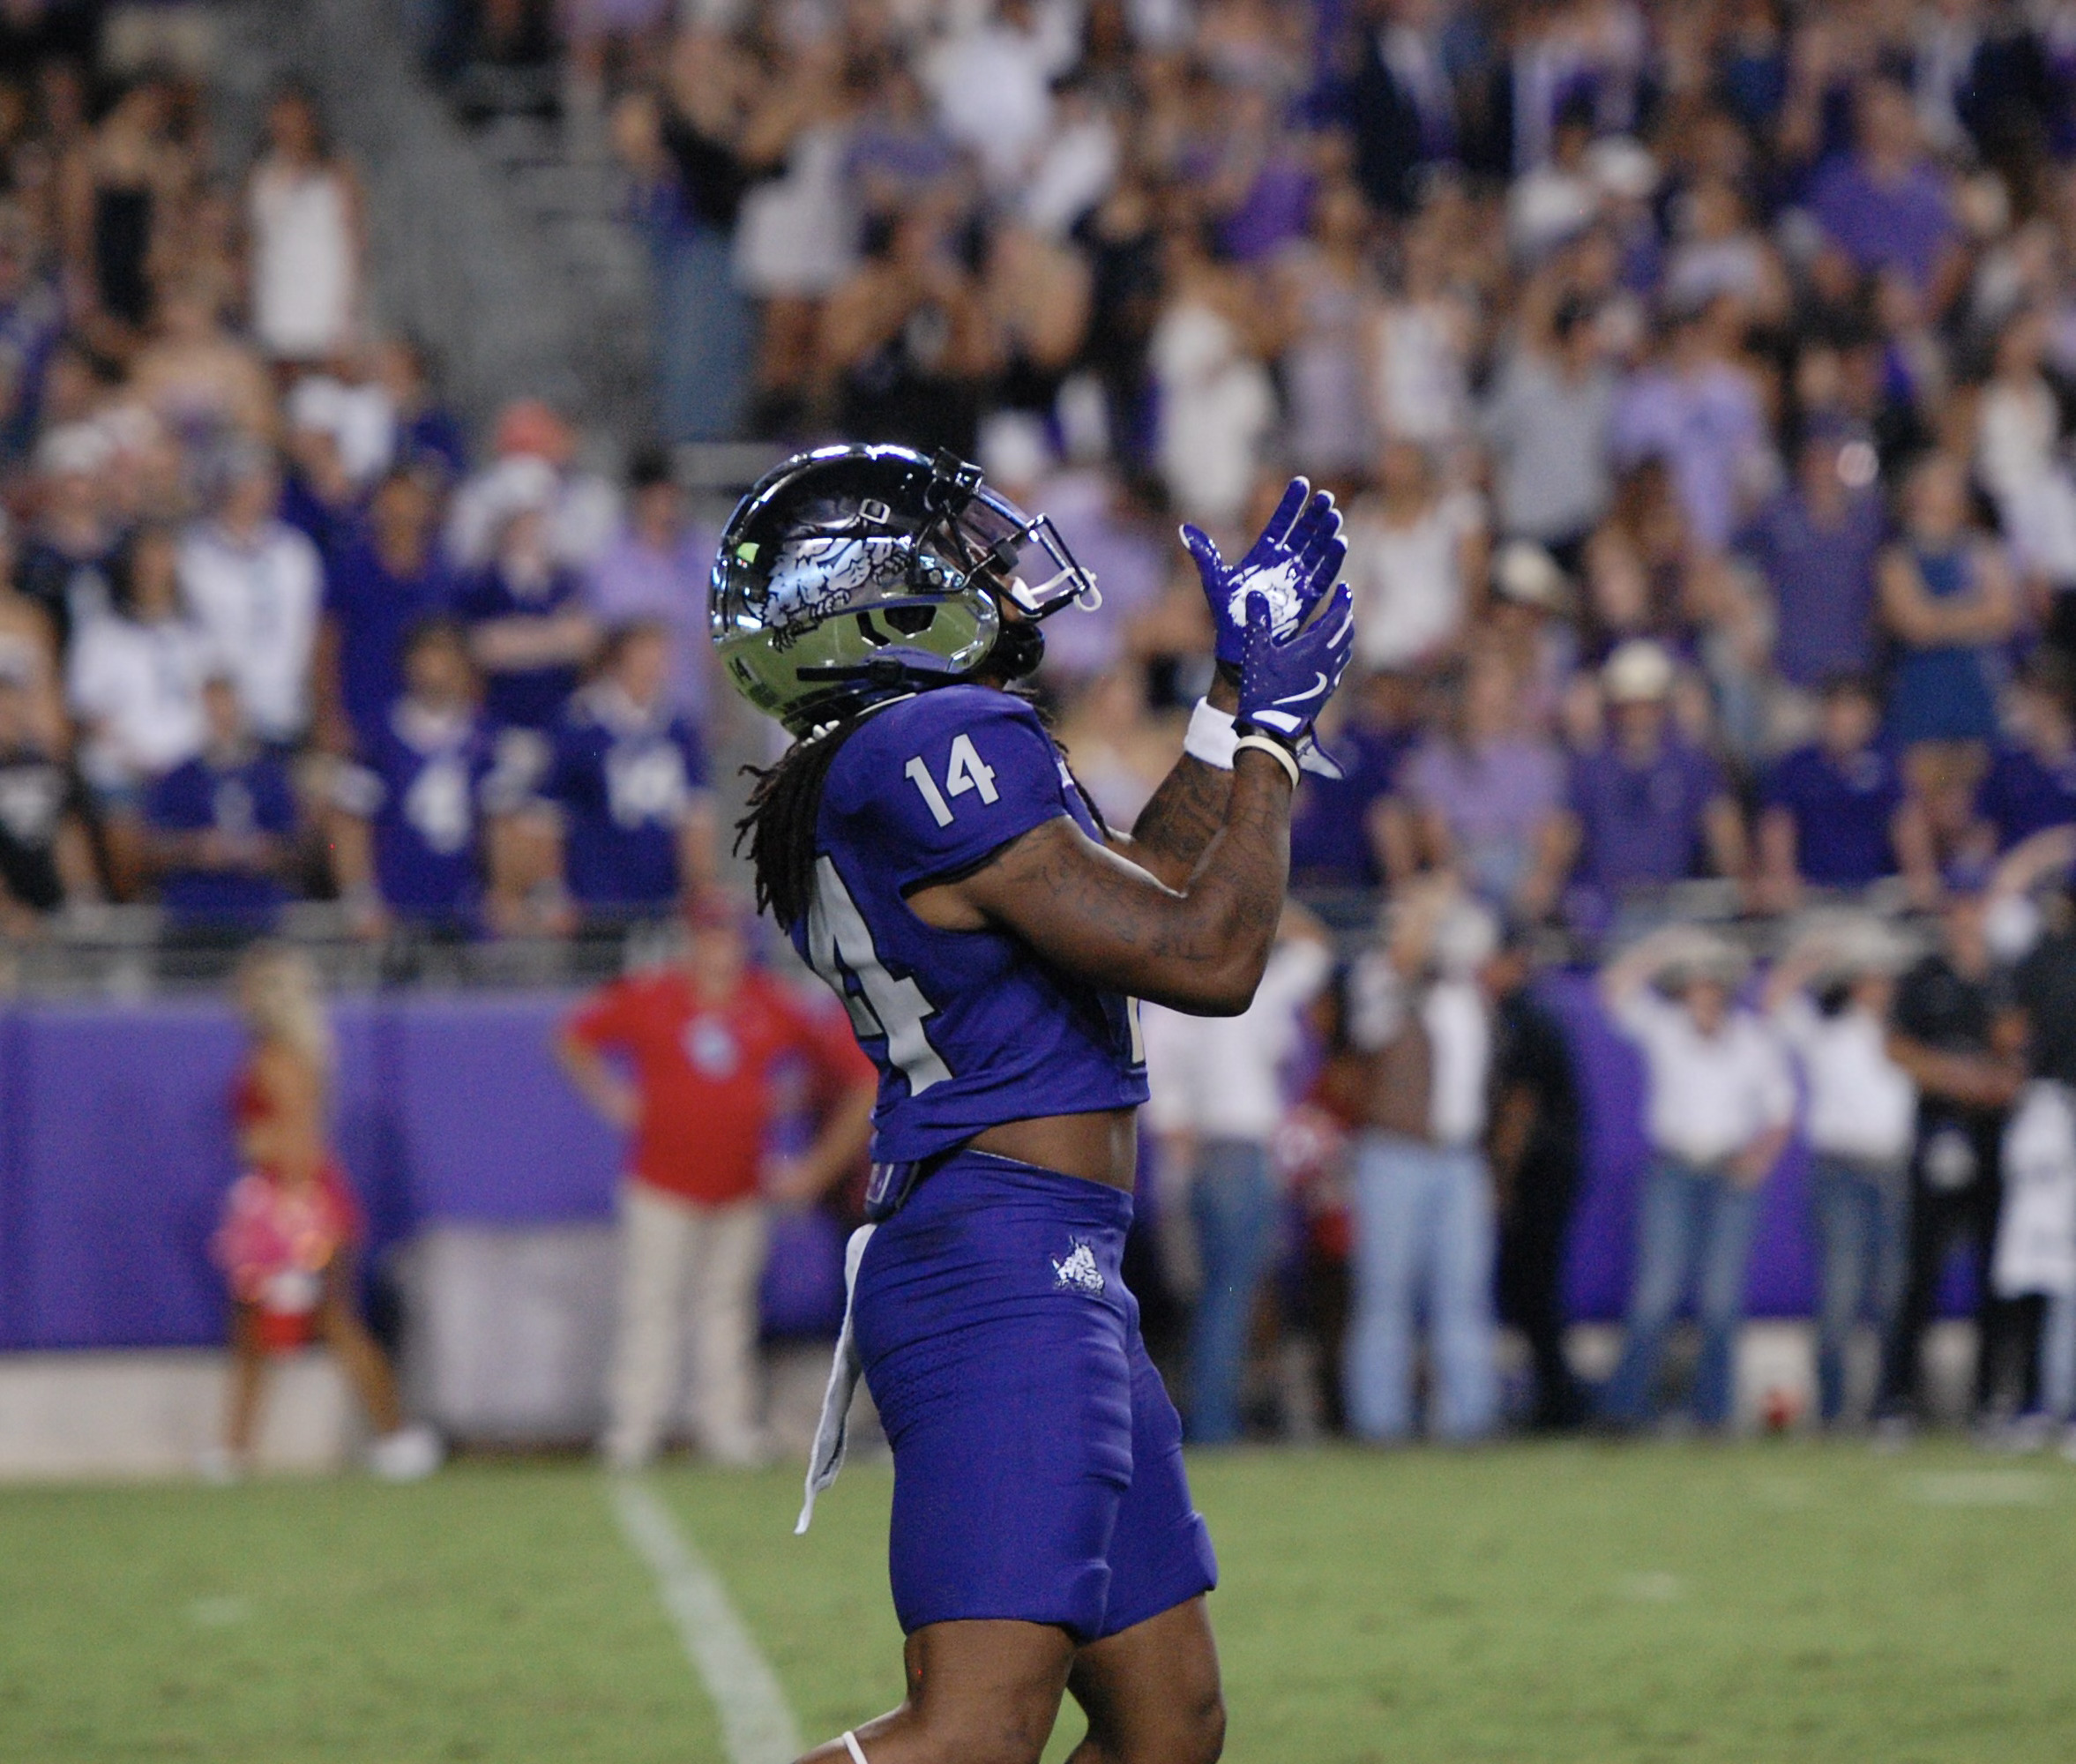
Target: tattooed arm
(1199, 947)
(1174, 827)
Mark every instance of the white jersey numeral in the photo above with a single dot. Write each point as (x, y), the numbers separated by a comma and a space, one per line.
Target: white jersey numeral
(839, 941)
(1136, 1030)
(965, 773)
(969, 772)
(919, 775)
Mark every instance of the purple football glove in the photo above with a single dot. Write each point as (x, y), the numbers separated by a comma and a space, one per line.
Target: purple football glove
(1293, 563)
(1285, 681)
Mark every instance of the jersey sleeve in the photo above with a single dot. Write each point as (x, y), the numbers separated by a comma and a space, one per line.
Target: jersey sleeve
(946, 780)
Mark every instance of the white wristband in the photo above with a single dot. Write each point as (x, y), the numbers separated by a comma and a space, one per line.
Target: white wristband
(1210, 736)
(1274, 749)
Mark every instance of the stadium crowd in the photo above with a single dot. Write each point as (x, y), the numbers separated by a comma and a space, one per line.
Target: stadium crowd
(1696, 377)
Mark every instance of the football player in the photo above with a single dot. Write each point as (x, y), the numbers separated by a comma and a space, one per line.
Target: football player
(930, 855)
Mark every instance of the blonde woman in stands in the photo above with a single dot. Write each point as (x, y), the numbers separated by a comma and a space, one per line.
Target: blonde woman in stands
(291, 1224)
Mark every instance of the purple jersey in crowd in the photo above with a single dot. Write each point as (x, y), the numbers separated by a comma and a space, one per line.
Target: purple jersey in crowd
(624, 781)
(251, 797)
(968, 1028)
(422, 787)
(2023, 795)
(1641, 824)
(522, 697)
(374, 611)
(1841, 809)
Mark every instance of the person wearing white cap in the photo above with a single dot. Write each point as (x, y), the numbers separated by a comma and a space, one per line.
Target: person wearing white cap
(1646, 808)
(1719, 1102)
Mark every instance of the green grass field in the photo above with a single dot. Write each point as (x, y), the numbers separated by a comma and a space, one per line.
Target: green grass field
(1774, 1602)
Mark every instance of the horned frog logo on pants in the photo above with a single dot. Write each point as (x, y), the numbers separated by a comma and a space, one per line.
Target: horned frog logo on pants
(1078, 1270)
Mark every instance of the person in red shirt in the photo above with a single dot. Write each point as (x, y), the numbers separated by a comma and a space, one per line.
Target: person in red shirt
(701, 1040)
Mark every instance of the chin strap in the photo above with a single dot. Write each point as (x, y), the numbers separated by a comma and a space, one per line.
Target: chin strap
(851, 1745)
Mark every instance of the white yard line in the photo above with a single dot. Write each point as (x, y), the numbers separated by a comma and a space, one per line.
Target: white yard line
(756, 1725)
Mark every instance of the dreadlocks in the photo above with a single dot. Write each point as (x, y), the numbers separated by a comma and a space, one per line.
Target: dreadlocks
(786, 801)
(779, 827)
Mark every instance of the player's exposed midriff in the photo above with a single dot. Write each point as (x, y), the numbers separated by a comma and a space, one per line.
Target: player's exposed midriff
(1101, 1146)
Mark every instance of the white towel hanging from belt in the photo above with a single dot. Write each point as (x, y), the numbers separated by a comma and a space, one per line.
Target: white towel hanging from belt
(845, 1370)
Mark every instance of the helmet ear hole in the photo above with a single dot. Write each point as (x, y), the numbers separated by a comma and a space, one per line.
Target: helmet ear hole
(910, 621)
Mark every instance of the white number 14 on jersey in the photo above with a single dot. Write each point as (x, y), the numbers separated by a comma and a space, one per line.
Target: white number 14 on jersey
(966, 772)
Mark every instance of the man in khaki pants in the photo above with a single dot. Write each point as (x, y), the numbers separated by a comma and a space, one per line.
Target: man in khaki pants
(703, 1037)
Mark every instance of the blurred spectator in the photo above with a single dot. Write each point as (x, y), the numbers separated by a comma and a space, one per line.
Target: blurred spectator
(384, 578)
(992, 81)
(425, 433)
(1546, 422)
(1217, 1103)
(1957, 1031)
(1478, 797)
(31, 320)
(1337, 832)
(1423, 1194)
(534, 466)
(219, 827)
(1328, 319)
(655, 570)
(1836, 813)
(626, 785)
(1121, 754)
(1830, 997)
(1403, 103)
(1816, 541)
(1425, 332)
(1883, 207)
(114, 195)
(909, 341)
(304, 207)
(44, 855)
(2031, 782)
(410, 838)
(796, 237)
(1536, 1142)
(1718, 1104)
(1416, 559)
(704, 1036)
(1035, 291)
(1647, 807)
(65, 555)
(1216, 400)
(2020, 460)
(528, 631)
(1694, 405)
(292, 1226)
(135, 685)
(1946, 599)
(201, 381)
(689, 182)
(256, 587)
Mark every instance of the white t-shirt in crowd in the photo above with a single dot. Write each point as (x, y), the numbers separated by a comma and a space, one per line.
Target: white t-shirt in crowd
(1407, 581)
(1861, 1104)
(1709, 1097)
(259, 604)
(1220, 1078)
(141, 686)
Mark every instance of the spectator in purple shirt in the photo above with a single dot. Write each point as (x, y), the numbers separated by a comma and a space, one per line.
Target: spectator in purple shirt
(1479, 799)
(2031, 783)
(655, 571)
(1837, 814)
(384, 579)
(1696, 409)
(1882, 206)
(1817, 541)
(1335, 830)
(1647, 807)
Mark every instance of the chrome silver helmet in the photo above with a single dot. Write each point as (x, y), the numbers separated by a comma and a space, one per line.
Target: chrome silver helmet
(850, 574)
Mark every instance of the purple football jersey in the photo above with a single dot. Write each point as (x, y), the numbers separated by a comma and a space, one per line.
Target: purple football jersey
(968, 1028)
